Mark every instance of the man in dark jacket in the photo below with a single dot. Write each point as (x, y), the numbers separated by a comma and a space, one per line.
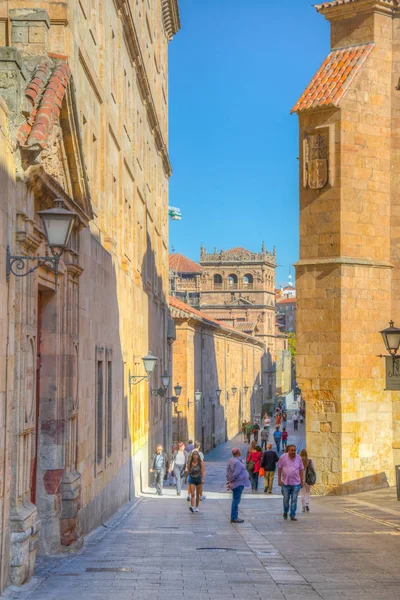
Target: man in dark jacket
(268, 462)
(159, 466)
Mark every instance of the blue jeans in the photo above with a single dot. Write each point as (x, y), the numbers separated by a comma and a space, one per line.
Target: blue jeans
(290, 493)
(236, 496)
(278, 445)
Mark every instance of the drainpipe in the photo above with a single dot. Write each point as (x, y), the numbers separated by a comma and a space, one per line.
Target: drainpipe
(3, 558)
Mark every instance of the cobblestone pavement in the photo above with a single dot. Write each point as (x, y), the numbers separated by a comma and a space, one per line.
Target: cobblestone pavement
(346, 547)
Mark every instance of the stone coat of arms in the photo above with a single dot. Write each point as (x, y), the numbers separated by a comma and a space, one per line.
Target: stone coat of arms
(316, 152)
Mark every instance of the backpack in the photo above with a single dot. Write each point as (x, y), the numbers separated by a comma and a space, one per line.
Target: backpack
(250, 465)
(311, 476)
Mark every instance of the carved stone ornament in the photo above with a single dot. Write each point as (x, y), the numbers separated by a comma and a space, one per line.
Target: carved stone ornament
(315, 157)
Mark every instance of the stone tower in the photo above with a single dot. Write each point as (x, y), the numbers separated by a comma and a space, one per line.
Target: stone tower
(348, 273)
(238, 288)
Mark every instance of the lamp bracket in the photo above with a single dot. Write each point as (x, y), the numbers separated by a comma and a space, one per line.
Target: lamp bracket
(135, 379)
(173, 400)
(16, 264)
(158, 392)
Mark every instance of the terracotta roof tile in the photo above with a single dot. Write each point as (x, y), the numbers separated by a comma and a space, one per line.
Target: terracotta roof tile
(45, 92)
(285, 301)
(181, 307)
(181, 264)
(246, 326)
(333, 77)
(325, 5)
(237, 250)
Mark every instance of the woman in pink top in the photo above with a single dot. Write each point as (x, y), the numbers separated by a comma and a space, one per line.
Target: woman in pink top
(291, 480)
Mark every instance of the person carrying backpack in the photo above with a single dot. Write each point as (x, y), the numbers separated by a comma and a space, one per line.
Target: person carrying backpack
(310, 478)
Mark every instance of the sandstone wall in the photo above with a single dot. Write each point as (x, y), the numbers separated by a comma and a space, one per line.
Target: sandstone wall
(207, 358)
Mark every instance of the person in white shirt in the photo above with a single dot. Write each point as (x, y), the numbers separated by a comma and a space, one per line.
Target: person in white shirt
(295, 419)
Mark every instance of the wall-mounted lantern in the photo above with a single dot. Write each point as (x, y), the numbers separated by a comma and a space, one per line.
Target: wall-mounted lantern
(197, 398)
(58, 223)
(161, 391)
(149, 362)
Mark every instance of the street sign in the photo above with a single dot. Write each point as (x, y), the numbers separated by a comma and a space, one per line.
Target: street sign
(392, 368)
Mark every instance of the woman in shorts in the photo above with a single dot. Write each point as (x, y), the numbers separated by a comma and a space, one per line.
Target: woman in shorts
(196, 471)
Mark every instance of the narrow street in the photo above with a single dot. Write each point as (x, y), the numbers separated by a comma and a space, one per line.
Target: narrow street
(158, 549)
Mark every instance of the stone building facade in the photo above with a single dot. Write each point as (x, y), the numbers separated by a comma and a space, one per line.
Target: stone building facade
(349, 269)
(238, 288)
(208, 356)
(84, 118)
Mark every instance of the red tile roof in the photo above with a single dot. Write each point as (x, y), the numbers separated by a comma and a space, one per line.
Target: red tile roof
(45, 92)
(333, 77)
(285, 301)
(181, 307)
(324, 5)
(175, 303)
(181, 264)
(246, 326)
(236, 251)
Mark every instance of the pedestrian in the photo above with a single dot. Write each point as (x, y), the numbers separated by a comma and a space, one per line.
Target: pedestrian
(255, 430)
(250, 449)
(159, 466)
(244, 430)
(277, 438)
(264, 438)
(253, 466)
(291, 480)
(189, 446)
(172, 480)
(267, 422)
(284, 419)
(278, 419)
(295, 419)
(302, 415)
(197, 446)
(196, 471)
(268, 463)
(237, 479)
(285, 436)
(178, 466)
(249, 429)
(309, 480)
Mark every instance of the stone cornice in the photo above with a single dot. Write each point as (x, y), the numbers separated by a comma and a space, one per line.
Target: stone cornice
(170, 13)
(132, 39)
(345, 9)
(181, 316)
(347, 261)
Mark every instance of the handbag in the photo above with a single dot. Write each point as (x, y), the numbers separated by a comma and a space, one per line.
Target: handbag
(261, 472)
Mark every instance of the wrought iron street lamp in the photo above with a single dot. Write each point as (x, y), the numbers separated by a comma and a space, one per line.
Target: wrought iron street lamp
(391, 338)
(246, 389)
(197, 398)
(217, 396)
(58, 223)
(149, 362)
(161, 391)
(177, 390)
(255, 387)
(234, 390)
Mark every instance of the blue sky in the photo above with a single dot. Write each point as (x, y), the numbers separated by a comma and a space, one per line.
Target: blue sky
(235, 70)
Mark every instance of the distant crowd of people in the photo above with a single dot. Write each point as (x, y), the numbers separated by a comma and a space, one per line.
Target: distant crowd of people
(296, 473)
